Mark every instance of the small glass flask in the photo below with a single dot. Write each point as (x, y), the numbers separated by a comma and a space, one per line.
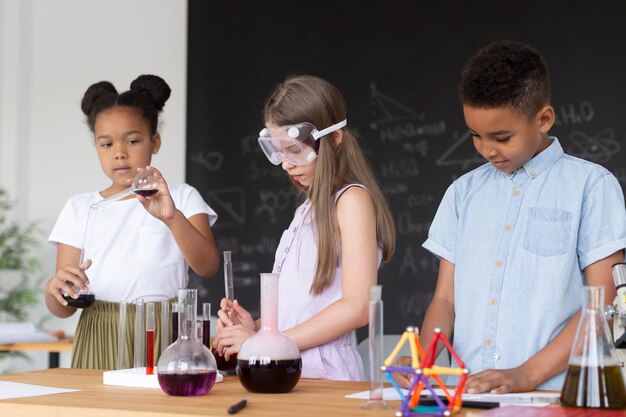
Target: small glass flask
(594, 377)
(187, 367)
(269, 361)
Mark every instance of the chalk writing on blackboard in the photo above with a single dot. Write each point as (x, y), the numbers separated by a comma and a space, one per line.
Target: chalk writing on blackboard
(402, 168)
(263, 169)
(250, 145)
(406, 224)
(420, 147)
(597, 148)
(266, 245)
(419, 200)
(271, 202)
(230, 203)
(395, 121)
(571, 114)
(399, 188)
(211, 161)
(462, 153)
(413, 265)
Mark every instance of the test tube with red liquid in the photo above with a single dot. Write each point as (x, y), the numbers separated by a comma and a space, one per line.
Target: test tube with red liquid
(150, 339)
(175, 307)
(206, 324)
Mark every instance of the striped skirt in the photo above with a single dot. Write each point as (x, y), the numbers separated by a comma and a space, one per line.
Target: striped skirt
(96, 338)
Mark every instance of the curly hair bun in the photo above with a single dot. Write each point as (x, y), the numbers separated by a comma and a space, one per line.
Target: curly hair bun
(154, 87)
(93, 93)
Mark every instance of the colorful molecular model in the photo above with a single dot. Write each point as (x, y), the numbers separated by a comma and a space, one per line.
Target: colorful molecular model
(422, 368)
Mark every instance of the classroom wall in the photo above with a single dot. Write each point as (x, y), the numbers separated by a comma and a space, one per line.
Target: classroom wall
(50, 52)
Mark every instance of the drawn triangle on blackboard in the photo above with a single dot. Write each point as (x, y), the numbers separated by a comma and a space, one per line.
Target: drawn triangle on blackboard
(388, 110)
(461, 153)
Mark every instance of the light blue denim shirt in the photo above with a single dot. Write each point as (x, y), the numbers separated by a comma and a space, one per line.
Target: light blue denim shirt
(519, 243)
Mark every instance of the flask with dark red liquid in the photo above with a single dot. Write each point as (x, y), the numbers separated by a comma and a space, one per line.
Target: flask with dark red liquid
(594, 377)
(269, 362)
(187, 367)
(84, 300)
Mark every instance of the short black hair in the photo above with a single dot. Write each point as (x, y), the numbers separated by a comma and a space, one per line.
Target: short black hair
(506, 73)
(147, 94)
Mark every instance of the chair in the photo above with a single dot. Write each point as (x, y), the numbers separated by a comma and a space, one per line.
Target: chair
(389, 343)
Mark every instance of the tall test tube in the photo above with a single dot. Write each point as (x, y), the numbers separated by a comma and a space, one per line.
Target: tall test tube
(229, 290)
(140, 329)
(150, 339)
(376, 401)
(121, 337)
(165, 325)
(175, 310)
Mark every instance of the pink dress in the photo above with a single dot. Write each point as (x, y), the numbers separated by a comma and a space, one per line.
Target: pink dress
(295, 263)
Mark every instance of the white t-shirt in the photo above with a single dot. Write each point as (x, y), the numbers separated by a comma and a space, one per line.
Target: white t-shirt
(134, 255)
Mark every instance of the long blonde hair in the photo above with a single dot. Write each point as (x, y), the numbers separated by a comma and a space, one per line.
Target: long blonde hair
(307, 98)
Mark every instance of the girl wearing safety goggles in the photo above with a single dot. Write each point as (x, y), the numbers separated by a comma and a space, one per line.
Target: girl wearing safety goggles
(329, 256)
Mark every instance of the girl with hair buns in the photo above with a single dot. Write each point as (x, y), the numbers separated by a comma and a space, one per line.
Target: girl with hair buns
(328, 258)
(138, 248)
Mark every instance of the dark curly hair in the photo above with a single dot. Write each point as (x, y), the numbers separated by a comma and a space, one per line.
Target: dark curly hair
(147, 94)
(506, 74)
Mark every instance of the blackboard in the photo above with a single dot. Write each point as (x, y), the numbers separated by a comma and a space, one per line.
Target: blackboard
(398, 65)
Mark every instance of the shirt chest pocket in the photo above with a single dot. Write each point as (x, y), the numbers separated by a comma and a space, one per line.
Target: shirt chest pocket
(548, 231)
(157, 246)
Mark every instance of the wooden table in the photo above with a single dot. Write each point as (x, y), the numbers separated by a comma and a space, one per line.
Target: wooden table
(53, 349)
(310, 398)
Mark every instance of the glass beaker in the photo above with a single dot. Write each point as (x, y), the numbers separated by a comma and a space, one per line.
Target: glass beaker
(187, 367)
(269, 361)
(594, 376)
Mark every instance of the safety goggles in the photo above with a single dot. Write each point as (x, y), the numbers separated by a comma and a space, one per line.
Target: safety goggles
(295, 144)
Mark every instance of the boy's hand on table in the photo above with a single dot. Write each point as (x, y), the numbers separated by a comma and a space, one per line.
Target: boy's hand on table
(500, 381)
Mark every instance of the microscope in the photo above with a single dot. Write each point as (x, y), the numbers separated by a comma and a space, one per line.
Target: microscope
(617, 312)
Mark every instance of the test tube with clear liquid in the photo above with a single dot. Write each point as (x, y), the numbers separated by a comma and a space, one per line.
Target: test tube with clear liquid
(140, 327)
(227, 366)
(375, 344)
(121, 337)
(165, 325)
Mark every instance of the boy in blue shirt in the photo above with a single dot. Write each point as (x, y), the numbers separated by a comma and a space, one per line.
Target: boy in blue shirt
(519, 236)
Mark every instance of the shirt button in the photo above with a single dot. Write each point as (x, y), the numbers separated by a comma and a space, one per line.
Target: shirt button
(498, 262)
(488, 342)
(278, 269)
(287, 249)
(493, 302)
(295, 229)
(532, 173)
(496, 356)
(516, 191)
(507, 227)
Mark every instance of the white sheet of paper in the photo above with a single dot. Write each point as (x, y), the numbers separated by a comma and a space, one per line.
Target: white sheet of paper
(535, 399)
(19, 390)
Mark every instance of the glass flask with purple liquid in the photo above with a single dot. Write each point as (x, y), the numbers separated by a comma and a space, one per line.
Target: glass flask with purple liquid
(187, 367)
